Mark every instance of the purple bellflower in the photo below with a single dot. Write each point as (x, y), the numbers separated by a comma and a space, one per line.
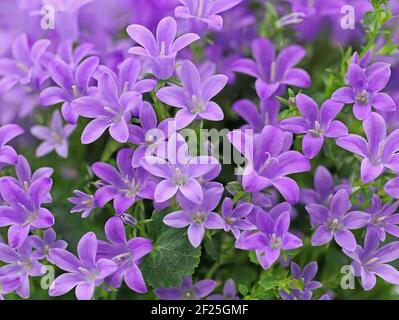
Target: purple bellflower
(26, 65)
(229, 292)
(234, 217)
(179, 172)
(194, 97)
(371, 261)
(161, 51)
(43, 245)
(272, 73)
(188, 290)
(23, 210)
(258, 118)
(271, 239)
(336, 222)
(55, 137)
(126, 254)
(379, 151)
(8, 285)
(315, 124)
(204, 14)
(384, 218)
(20, 263)
(270, 161)
(125, 186)
(365, 91)
(149, 137)
(25, 178)
(8, 156)
(110, 109)
(197, 217)
(84, 203)
(72, 83)
(307, 275)
(85, 273)
(324, 188)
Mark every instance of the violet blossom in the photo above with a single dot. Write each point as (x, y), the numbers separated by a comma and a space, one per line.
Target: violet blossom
(269, 161)
(179, 172)
(23, 211)
(110, 109)
(271, 239)
(193, 99)
(229, 292)
(8, 156)
(315, 124)
(336, 222)
(22, 264)
(72, 82)
(188, 290)
(371, 261)
(43, 245)
(125, 186)
(84, 203)
(197, 217)
(55, 137)
(234, 217)
(384, 218)
(379, 151)
(126, 254)
(364, 91)
(85, 273)
(274, 73)
(161, 51)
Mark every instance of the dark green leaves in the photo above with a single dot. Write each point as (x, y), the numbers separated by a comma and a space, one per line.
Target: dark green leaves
(172, 256)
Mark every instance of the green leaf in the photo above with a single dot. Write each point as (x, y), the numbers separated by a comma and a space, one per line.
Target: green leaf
(269, 282)
(213, 246)
(243, 289)
(172, 257)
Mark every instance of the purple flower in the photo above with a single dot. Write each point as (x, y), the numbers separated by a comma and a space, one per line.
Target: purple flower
(25, 178)
(365, 91)
(229, 292)
(179, 172)
(8, 156)
(384, 218)
(307, 275)
(43, 245)
(204, 14)
(85, 273)
(194, 97)
(258, 118)
(272, 238)
(23, 210)
(126, 254)
(55, 137)
(234, 218)
(197, 217)
(273, 73)
(324, 188)
(8, 285)
(162, 51)
(125, 186)
(110, 109)
(188, 290)
(27, 63)
(315, 124)
(335, 222)
(269, 161)
(22, 264)
(83, 202)
(149, 137)
(72, 83)
(379, 151)
(370, 261)
(392, 188)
